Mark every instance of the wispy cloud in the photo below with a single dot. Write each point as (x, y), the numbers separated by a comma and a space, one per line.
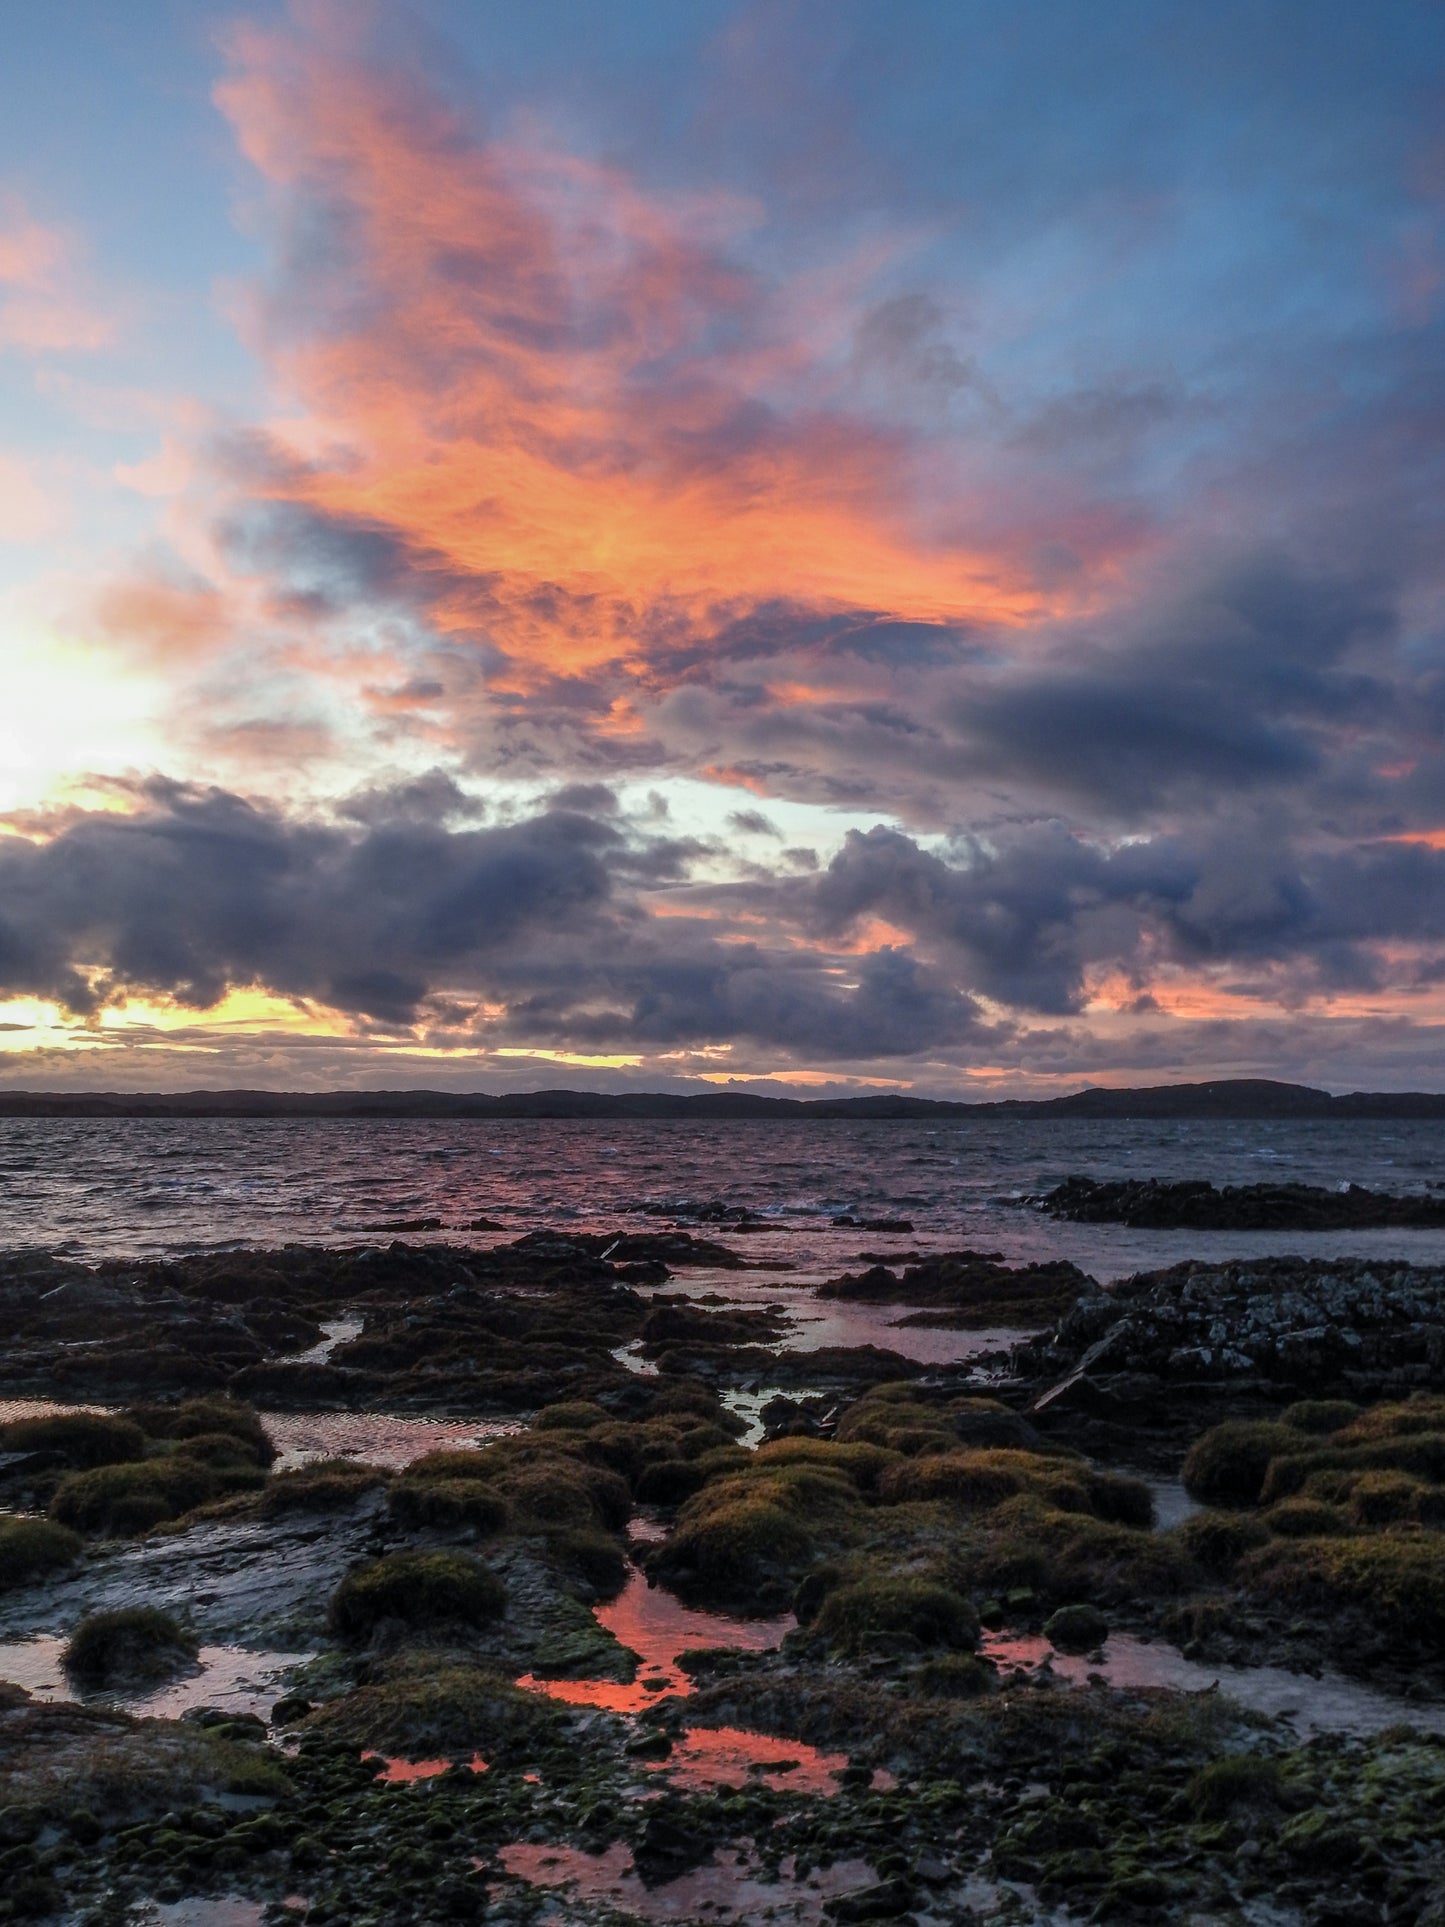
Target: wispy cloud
(46, 305)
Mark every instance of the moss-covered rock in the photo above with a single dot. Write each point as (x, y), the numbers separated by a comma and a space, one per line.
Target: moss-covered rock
(31, 1549)
(192, 1418)
(1396, 1578)
(425, 1591)
(887, 1609)
(426, 1710)
(81, 1439)
(324, 1485)
(1229, 1464)
(1217, 1541)
(125, 1499)
(1076, 1629)
(132, 1642)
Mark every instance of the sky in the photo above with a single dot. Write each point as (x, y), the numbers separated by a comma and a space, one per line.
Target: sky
(804, 544)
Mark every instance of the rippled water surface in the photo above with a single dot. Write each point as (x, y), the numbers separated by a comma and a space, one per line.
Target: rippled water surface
(100, 1187)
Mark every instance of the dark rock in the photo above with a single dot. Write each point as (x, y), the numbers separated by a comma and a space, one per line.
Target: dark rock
(1076, 1629)
(1194, 1205)
(974, 1288)
(885, 1900)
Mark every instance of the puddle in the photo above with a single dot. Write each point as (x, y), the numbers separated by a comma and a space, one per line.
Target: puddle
(231, 1678)
(1172, 1504)
(335, 1331)
(201, 1913)
(658, 1627)
(814, 1323)
(1331, 1704)
(397, 1772)
(380, 1438)
(729, 1887)
(729, 1756)
(630, 1356)
(14, 1408)
(387, 1439)
(749, 1407)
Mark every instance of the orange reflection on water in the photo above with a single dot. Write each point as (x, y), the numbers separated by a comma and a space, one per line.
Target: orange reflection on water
(397, 1772)
(657, 1628)
(728, 1756)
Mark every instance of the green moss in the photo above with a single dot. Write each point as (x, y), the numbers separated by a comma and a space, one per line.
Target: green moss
(194, 1418)
(424, 1590)
(133, 1642)
(83, 1439)
(668, 1482)
(745, 1540)
(448, 1504)
(1398, 1578)
(1217, 1541)
(594, 1557)
(1067, 1556)
(1421, 1454)
(1320, 1415)
(1305, 1519)
(1117, 1497)
(1373, 1501)
(324, 1485)
(891, 1417)
(1402, 1419)
(955, 1676)
(221, 1449)
(1228, 1465)
(888, 1609)
(858, 1461)
(438, 1711)
(579, 1416)
(979, 1481)
(32, 1548)
(126, 1499)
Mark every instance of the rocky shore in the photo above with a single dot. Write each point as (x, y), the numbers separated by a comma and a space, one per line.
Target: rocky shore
(1193, 1205)
(617, 1665)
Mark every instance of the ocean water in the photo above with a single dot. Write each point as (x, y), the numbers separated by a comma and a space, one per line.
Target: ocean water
(93, 1188)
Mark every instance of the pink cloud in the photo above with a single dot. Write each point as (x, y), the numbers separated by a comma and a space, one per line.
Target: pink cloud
(43, 309)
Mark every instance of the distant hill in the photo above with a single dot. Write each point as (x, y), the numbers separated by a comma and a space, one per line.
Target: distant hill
(1226, 1098)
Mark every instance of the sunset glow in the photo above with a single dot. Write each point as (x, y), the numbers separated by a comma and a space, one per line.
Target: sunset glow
(531, 561)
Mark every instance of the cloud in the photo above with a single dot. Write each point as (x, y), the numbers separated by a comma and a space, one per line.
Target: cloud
(44, 308)
(28, 512)
(553, 408)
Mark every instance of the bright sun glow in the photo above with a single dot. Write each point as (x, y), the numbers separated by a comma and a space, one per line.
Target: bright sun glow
(65, 709)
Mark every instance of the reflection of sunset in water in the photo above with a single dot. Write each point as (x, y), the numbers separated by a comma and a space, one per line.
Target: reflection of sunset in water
(657, 1627)
(728, 1887)
(728, 1756)
(396, 1772)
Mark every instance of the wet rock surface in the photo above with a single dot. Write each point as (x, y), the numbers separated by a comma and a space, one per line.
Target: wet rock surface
(444, 1326)
(967, 1289)
(1195, 1205)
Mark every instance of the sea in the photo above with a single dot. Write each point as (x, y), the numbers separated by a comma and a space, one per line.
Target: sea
(95, 1188)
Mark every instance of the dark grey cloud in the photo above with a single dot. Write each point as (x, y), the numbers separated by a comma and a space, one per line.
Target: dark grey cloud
(394, 919)
(200, 890)
(1028, 918)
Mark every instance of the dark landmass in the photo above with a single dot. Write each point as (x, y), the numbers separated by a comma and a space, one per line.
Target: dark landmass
(1236, 1098)
(1194, 1205)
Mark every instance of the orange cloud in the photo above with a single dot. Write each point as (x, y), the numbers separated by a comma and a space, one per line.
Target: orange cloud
(591, 433)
